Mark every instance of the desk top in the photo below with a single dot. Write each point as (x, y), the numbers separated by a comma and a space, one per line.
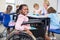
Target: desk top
(38, 16)
(33, 21)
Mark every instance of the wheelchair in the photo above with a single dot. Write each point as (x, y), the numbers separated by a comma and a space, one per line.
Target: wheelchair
(25, 36)
(21, 36)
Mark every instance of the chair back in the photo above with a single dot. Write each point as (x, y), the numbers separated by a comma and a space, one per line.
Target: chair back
(6, 20)
(1, 16)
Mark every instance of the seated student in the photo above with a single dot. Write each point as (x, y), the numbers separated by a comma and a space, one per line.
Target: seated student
(36, 9)
(54, 22)
(47, 8)
(54, 19)
(46, 5)
(23, 10)
(8, 11)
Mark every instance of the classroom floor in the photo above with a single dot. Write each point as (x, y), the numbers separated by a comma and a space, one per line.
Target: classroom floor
(2, 28)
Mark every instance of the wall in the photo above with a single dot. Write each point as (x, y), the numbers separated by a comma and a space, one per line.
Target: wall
(2, 5)
(30, 3)
(58, 6)
(53, 3)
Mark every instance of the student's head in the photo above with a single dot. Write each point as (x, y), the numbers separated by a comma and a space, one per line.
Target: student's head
(17, 6)
(36, 6)
(51, 10)
(23, 9)
(46, 4)
(17, 9)
(9, 8)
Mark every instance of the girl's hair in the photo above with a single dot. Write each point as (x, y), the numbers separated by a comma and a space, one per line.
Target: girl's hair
(20, 7)
(51, 10)
(47, 2)
(35, 5)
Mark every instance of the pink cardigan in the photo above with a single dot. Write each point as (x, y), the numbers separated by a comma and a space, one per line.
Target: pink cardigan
(20, 20)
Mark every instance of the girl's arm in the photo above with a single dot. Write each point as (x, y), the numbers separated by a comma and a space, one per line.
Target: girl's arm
(19, 22)
(40, 12)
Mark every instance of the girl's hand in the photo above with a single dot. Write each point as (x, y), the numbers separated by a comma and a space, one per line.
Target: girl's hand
(40, 12)
(25, 29)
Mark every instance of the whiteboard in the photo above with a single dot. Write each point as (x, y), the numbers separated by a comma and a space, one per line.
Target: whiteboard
(58, 1)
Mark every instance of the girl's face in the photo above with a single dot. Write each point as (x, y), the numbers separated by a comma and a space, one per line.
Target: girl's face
(24, 10)
(36, 7)
(9, 9)
(45, 5)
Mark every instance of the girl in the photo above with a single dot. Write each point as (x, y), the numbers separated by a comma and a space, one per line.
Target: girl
(46, 5)
(36, 9)
(23, 10)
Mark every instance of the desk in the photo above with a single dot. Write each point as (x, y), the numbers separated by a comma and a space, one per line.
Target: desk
(42, 23)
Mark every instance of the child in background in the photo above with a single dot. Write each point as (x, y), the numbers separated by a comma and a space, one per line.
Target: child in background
(8, 11)
(46, 5)
(17, 6)
(36, 9)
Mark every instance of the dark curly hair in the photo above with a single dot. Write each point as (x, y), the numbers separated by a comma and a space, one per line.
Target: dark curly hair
(20, 7)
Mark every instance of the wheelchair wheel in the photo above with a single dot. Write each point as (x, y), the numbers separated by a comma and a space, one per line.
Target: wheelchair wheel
(1, 35)
(21, 36)
(39, 38)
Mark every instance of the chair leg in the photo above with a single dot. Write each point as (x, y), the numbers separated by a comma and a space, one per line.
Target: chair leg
(54, 37)
(8, 30)
(53, 34)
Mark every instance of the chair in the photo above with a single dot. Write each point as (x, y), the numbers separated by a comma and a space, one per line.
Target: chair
(57, 31)
(6, 21)
(1, 16)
